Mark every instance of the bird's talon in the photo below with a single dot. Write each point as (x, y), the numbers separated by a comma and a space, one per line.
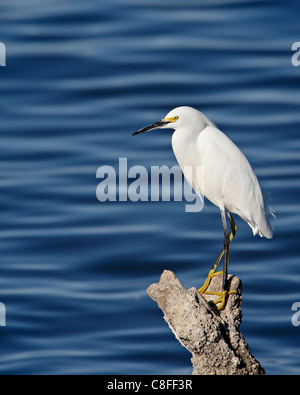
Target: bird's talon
(222, 296)
(211, 274)
(221, 299)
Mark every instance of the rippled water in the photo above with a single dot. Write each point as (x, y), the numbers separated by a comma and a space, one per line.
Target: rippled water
(80, 78)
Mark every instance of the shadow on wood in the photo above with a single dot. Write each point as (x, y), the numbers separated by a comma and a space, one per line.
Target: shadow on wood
(213, 337)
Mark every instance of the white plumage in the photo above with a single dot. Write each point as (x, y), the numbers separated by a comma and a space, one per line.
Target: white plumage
(227, 179)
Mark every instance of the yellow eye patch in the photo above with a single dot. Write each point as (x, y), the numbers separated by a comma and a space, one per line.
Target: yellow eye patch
(172, 119)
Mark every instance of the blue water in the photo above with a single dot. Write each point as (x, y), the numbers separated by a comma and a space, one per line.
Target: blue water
(81, 76)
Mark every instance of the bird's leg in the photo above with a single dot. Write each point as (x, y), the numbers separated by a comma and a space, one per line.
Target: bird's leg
(227, 242)
(223, 295)
(212, 273)
(225, 251)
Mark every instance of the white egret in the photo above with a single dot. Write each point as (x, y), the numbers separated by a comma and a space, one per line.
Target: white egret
(227, 179)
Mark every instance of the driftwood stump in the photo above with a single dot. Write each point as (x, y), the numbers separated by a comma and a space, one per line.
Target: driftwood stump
(213, 337)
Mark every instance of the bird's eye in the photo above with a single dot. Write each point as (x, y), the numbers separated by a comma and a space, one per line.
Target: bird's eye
(175, 118)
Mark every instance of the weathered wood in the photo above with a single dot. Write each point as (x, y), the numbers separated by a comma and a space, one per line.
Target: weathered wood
(212, 336)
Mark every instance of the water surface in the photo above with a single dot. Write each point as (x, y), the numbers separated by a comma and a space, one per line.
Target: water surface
(80, 78)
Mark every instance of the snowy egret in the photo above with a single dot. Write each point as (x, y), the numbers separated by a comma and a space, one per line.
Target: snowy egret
(227, 179)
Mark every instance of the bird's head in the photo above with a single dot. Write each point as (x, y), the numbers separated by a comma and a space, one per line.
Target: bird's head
(181, 117)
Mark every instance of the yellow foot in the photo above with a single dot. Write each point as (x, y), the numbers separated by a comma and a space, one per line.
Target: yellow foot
(211, 274)
(222, 297)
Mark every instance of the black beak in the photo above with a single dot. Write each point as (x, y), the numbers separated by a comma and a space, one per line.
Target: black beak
(155, 125)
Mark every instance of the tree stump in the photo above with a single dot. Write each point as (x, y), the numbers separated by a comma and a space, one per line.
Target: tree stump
(212, 336)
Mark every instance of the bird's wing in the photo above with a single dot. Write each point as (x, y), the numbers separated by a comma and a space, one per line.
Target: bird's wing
(229, 180)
